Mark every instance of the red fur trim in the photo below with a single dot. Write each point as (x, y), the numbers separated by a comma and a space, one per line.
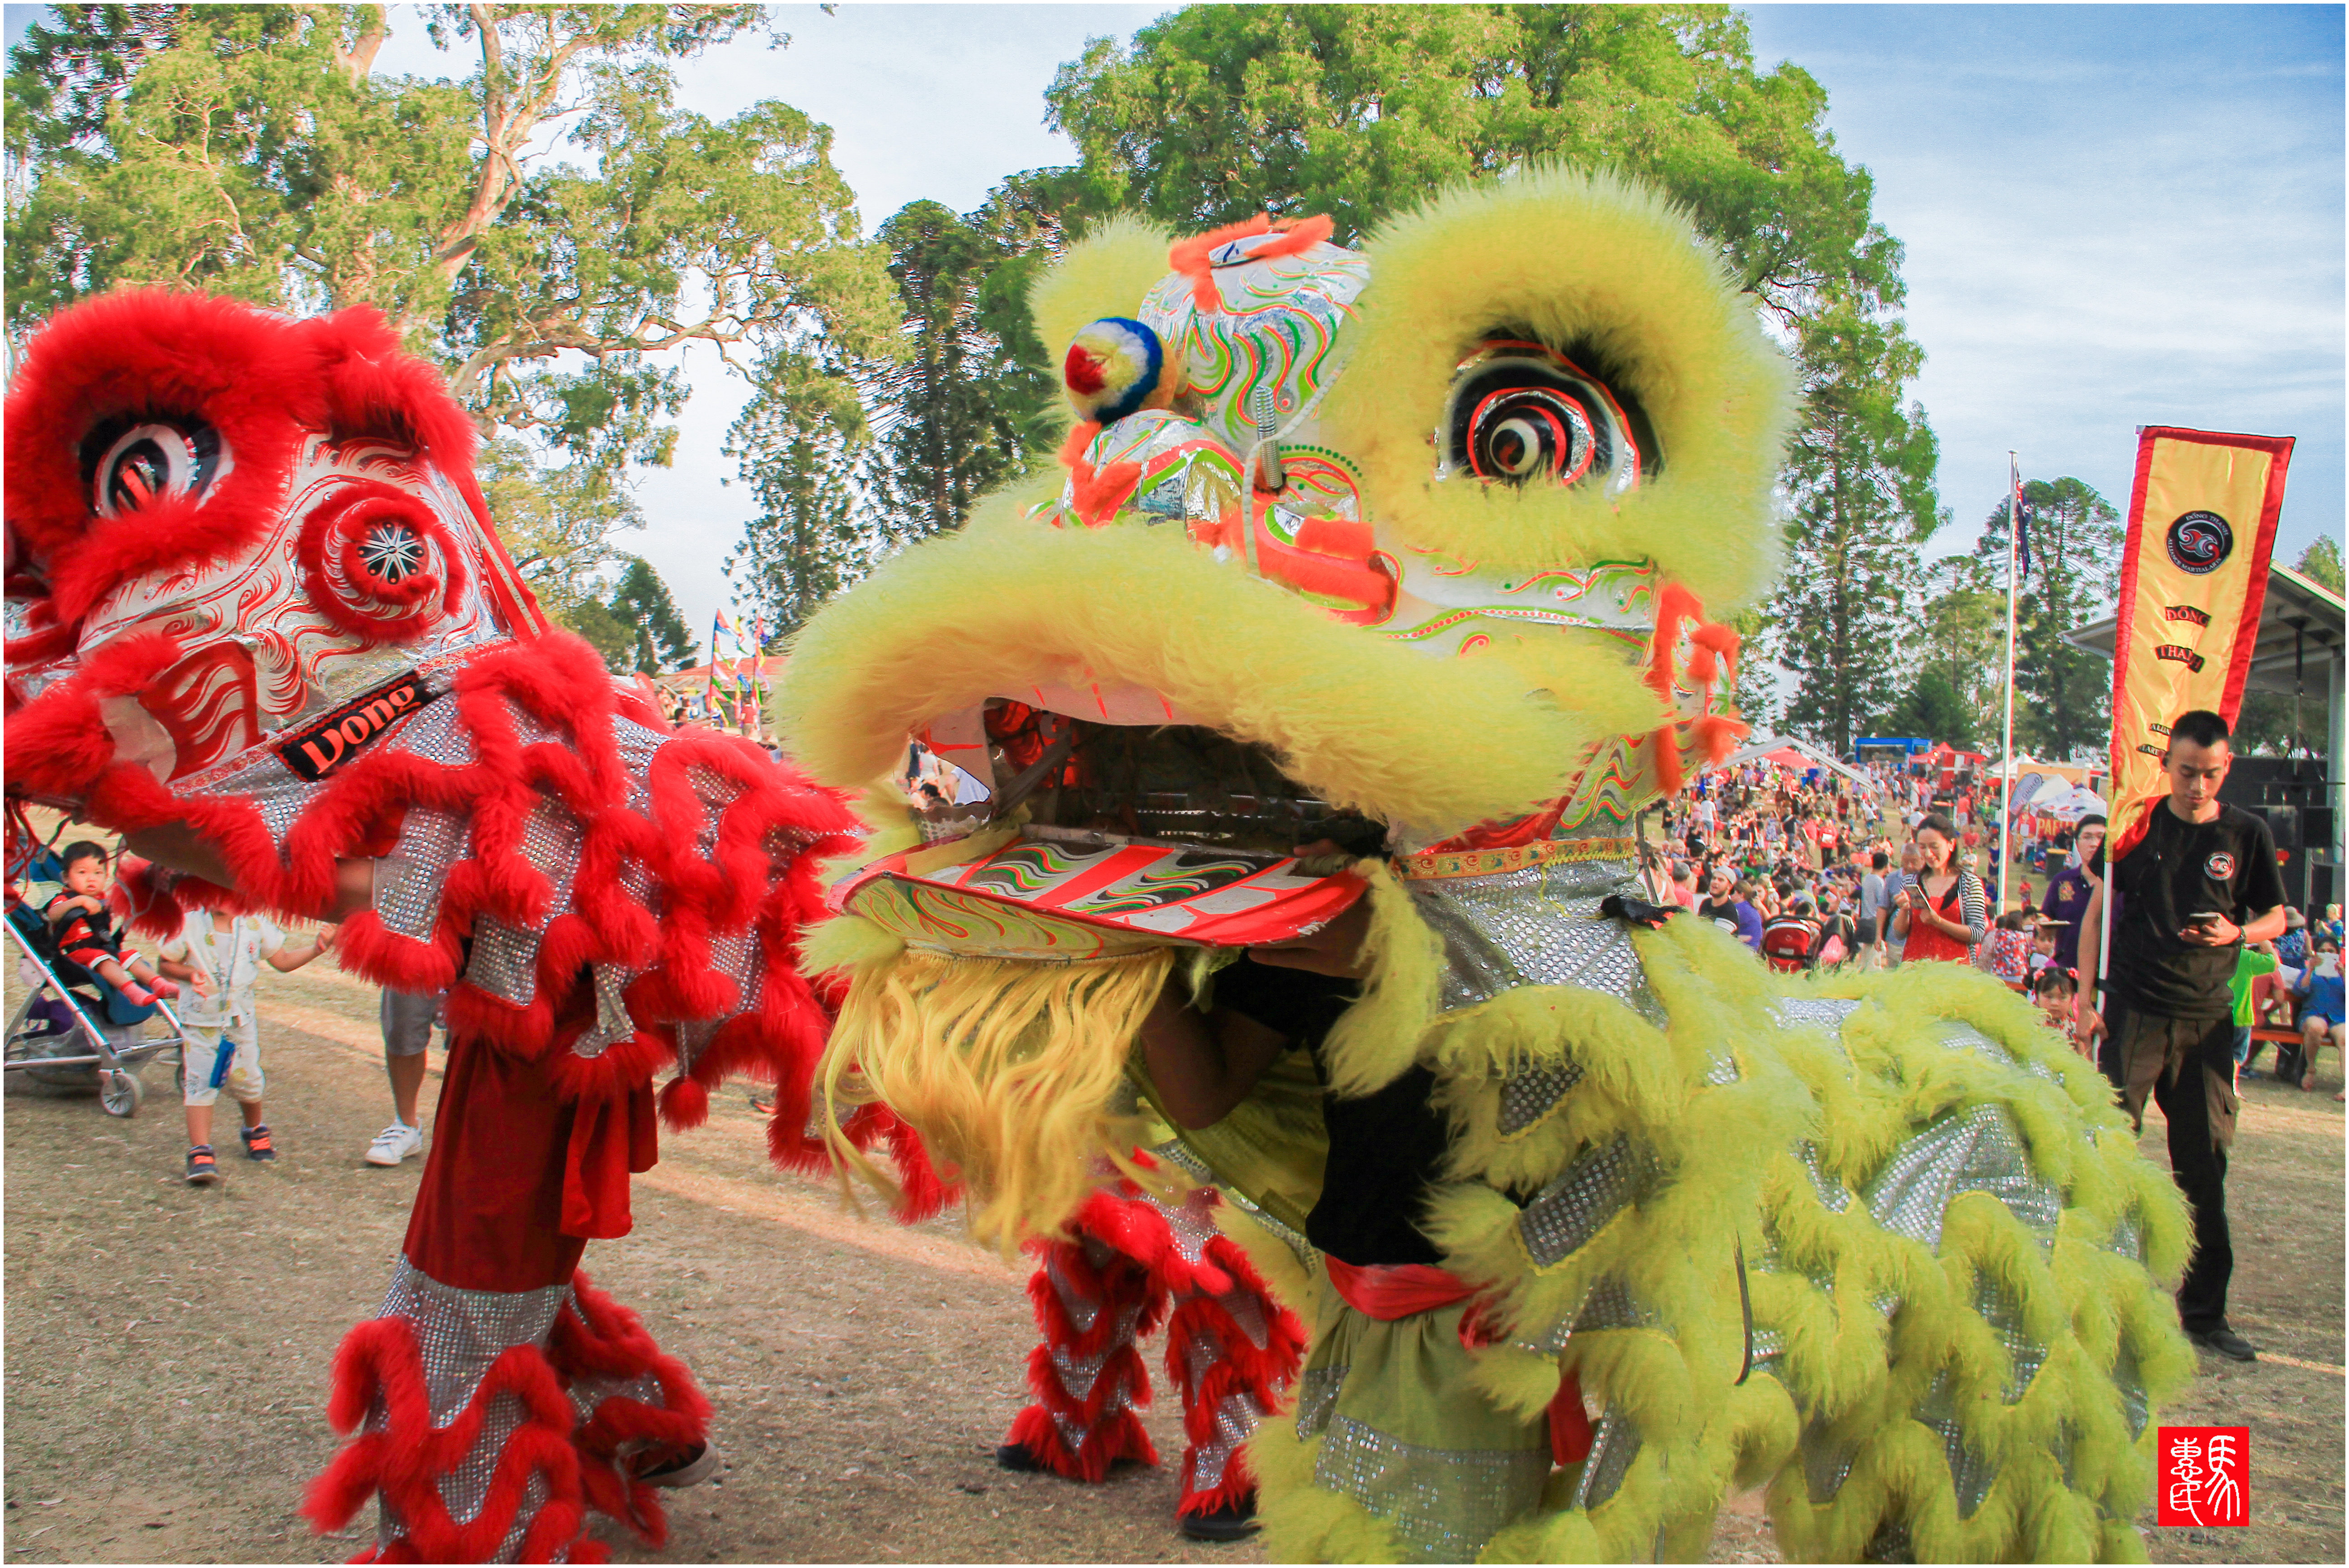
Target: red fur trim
(1237, 1487)
(1123, 1436)
(581, 1463)
(247, 373)
(1674, 605)
(371, 388)
(405, 1460)
(332, 536)
(597, 1336)
(1125, 1307)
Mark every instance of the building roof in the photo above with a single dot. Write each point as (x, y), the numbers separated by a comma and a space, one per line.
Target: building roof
(2300, 629)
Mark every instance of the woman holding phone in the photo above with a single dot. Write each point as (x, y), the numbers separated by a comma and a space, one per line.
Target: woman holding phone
(1940, 914)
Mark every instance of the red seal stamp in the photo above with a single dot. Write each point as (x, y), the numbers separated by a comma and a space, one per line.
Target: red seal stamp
(2204, 1475)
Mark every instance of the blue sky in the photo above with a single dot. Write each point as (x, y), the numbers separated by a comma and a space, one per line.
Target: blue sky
(2114, 215)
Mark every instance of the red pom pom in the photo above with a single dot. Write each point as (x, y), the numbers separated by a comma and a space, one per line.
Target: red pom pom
(685, 1104)
(1084, 371)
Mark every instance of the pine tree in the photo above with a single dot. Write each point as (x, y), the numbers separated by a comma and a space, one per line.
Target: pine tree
(797, 446)
(960, 414)
(1860, 487)
(658, 641)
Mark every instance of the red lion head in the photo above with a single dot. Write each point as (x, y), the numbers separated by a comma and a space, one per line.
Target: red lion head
(225, 528)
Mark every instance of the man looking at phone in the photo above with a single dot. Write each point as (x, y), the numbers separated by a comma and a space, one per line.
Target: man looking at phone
(2199, 884)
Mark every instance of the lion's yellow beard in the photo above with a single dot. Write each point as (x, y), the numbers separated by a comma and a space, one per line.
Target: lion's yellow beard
(1011, 1072)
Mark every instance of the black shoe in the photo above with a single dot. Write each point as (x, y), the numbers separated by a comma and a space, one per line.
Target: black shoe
(203, 1171)
(689, 1469)
(1233, 1522)
(1018, 1459)
(256, 1144)
(2224, 1342)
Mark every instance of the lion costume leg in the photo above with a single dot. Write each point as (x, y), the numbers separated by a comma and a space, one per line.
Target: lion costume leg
(1232, 1351)
(1092, 1301)
(498, 1396)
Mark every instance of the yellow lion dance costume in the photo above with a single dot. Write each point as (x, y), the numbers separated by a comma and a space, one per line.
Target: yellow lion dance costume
(1412, 549)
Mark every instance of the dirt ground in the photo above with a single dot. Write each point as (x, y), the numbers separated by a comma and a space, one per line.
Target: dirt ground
(166, 1350)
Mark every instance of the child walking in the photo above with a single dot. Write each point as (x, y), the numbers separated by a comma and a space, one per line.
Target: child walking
(221, 955)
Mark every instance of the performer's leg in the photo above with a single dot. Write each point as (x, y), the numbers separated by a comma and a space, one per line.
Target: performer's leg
(1092, 1303)
(1233, 1356)
(500, 1395)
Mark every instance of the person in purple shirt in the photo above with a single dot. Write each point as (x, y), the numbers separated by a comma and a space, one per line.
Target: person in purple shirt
(2068, 891)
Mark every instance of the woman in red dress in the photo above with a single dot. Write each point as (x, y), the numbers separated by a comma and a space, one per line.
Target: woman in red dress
(1941, 912)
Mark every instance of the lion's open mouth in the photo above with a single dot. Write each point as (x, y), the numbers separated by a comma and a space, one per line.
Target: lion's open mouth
(1178, 784)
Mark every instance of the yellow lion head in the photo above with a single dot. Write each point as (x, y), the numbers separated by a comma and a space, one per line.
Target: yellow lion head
(1407, 549)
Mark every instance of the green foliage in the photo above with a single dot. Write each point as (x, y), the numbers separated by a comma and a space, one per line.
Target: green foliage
(253, 150)
(1859, 479)
(1934, 706)
(796, 446)
(965, 408)
(556, 521)
(660, 641)
(1217, 112)
(1960, 648)
(2321, 563)
(856, 456)
(2271, 724)
(604, 633)
(636, 629)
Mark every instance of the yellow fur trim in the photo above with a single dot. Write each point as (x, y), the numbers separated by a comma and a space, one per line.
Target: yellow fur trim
(1011, 1072)
(1104, 274)
(1573, 258)
(846, 942)
(1363, 723)
(1376, 1040)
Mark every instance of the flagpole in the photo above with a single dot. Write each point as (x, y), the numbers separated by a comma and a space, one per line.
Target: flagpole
(2007, 803)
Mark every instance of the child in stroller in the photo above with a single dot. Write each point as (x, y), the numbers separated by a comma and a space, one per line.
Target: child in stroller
(83, 932)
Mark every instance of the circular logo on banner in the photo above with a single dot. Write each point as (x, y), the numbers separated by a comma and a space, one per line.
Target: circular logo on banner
(2200, 542)
(2219, 867)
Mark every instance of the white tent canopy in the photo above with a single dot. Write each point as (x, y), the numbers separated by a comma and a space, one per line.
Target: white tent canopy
(1762, 750)
(2067, 805)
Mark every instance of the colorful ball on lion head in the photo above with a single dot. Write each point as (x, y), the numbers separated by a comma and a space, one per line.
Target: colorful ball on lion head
(226, 526)
(1115, 368)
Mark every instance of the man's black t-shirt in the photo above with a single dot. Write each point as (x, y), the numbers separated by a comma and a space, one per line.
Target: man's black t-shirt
(1385, 1149)
(2226, 865)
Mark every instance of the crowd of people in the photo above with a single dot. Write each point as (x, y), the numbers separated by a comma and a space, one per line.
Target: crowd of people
(1817, 869)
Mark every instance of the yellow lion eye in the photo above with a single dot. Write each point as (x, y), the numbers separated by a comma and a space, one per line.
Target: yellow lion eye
(1519, 413)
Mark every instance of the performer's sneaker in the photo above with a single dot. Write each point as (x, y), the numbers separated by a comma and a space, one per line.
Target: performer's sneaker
(203, 1171)
(394, 1144)
(691, 1469)
(1232, 1521)
(2225, 1342)
(1018, 1459)
(256, 1143)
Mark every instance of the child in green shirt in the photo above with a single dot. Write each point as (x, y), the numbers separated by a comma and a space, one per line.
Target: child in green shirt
(2250, 962)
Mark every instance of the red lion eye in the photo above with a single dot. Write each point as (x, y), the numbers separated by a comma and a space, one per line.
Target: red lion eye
(379, 562)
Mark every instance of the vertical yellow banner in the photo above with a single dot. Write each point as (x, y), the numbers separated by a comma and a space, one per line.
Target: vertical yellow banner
(2194, 573)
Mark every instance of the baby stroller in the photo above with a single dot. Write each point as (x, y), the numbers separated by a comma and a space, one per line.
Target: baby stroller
(59, 1037)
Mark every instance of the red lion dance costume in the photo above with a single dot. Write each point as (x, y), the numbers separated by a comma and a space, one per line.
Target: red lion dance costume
(253, 589)
(254, 598)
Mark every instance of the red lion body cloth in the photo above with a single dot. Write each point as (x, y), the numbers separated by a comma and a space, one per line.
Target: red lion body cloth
(254, 600)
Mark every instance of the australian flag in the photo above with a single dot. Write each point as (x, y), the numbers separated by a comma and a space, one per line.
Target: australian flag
(2022, 538)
